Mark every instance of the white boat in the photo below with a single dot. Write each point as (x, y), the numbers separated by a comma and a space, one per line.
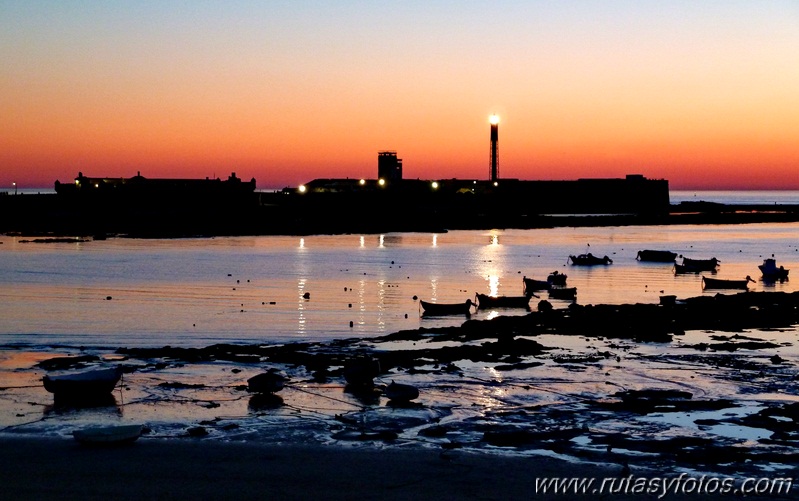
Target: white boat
(83, 384)
(108, 435)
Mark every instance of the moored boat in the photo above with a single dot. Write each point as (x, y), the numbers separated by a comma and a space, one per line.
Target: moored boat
(701, 264)
(486, 301)
(436, 309)
(83, 384)
(531, 285)
(656, 256)
(589, 260)
(566, 293)
(771, 272)
(556, 278)
(715, 283)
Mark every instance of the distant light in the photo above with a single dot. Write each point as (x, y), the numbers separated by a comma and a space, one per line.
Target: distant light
(434, 184)
(96, 185)
(496, 183)
(301, 188)
(381, 182)
(493, 119)
(362, 182)
(77, 183)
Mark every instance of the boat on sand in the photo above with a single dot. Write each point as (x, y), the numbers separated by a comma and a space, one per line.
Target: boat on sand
(108, 435)
(86, 384)
(399, 392)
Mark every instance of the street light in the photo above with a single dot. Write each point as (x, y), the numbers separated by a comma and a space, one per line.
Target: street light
(15, 187)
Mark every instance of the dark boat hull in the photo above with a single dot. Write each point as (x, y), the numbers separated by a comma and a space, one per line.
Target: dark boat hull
(701, 264)
(83, 385)
(714, 283)
(590, 260)
(486, 301)
(656, 256)
(437, 309)
(567, 293)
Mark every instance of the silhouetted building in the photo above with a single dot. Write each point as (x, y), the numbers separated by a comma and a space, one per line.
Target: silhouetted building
(389, 167)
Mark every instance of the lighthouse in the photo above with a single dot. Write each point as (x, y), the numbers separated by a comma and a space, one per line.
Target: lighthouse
(494, 172)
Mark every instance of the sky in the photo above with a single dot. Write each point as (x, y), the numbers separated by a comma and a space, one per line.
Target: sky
(704, 94)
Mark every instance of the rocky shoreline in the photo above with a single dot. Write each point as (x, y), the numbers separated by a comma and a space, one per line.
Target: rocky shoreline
(604, 426)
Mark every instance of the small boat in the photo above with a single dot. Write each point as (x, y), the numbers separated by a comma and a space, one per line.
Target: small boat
(531, 285)
(486, 301)
(656, 256)
(398, 392)
(361, 370)
(108, 435)
(701, 264)
(437, 309)
(556, 278)
(83, 384)
(589, 260)
(681, 269)
(567, 293)
(771, 272)
(267, 382)
(715, 283)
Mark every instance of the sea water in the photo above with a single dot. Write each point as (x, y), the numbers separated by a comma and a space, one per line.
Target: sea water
(91, 297)
(195, 292)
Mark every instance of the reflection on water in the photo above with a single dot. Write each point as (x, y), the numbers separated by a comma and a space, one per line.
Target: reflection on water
(244, 289)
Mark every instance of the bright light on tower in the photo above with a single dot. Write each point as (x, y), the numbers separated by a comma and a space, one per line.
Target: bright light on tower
(493, 119)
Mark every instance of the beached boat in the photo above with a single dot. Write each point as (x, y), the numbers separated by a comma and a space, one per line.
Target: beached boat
(589, 260)
(486, 301)
(436, 309)
(701, 264)
(267, 382)
(83, 384)
(656, 256)
(399, 392)
(715, 283)
(771, 272)
(566, 293)
(108, 435)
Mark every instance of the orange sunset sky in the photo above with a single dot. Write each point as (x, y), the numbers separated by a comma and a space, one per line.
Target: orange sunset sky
(704, 94)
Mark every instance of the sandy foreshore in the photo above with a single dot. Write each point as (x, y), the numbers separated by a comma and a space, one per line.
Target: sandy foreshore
(201, 469)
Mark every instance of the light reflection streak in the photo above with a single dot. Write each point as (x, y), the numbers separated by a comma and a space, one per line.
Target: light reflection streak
(381, 241)
(435, 240)
(363, 242)
(301, 305)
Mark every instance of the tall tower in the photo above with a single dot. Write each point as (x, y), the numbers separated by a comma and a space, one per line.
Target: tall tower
(389, 167)
(494, 173)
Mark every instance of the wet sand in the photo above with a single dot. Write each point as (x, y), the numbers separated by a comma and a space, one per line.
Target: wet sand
(197, 469)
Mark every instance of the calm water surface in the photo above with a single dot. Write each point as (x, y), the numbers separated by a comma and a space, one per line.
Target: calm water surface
(195, 292)
(198, 292)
